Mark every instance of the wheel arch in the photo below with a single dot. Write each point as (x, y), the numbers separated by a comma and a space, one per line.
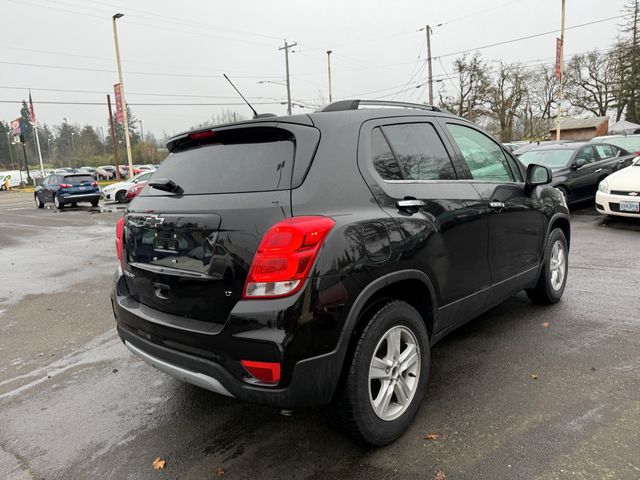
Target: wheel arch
(561, 221)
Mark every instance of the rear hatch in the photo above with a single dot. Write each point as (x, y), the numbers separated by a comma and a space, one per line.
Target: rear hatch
(188, 251)
(80, 184)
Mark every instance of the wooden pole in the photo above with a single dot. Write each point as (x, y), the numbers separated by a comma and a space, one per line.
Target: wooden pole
(114, 141)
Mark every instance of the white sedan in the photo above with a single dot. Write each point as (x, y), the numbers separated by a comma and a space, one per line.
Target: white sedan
(619, 193)
(118, 191)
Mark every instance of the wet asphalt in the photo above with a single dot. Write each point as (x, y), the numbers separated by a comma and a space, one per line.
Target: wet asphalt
(523, 392)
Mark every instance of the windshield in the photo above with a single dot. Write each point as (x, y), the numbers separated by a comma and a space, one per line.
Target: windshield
(549, 158)
(78, 179)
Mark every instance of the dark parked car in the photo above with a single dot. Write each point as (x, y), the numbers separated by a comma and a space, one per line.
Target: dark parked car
(578, 167)
(315, 259)
(67, 189)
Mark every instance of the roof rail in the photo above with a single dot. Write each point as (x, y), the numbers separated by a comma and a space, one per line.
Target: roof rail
(356, 104)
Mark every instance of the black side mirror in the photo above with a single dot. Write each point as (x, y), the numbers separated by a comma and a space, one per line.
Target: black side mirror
(537, 175)
(579, 164)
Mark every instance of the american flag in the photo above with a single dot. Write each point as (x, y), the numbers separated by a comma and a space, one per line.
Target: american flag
(32, 112)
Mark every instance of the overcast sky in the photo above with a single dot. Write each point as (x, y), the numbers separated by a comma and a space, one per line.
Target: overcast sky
(172, 48)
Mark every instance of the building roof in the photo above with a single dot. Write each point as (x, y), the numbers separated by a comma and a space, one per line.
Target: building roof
(624, 127)
(579, 123)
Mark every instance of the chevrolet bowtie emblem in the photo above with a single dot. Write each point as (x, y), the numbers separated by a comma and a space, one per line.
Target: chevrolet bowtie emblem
(153, 220)
(633, 194)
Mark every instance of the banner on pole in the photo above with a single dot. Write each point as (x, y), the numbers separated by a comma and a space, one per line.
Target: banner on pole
(15, 127)
(558, 57)
(117, 90)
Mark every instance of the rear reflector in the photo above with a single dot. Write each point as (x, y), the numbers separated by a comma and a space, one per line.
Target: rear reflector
(285, 256)
(119, 241)
(268, 372)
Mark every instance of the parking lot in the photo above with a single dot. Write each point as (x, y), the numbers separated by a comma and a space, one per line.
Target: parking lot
(523, 392)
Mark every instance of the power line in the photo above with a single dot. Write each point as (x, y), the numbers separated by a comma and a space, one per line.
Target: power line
(48, 102)
(451, 54)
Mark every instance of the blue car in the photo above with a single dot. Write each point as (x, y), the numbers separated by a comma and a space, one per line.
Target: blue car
(67, 189)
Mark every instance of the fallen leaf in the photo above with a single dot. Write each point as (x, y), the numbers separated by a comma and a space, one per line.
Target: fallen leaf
(534, 376)
(440, 474)
(546, 324)
(220, 472)
(158, 464)
(431, 436)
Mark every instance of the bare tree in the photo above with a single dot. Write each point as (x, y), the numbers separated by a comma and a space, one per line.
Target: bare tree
(593, 83)
(472, 92)
(506, 94)
(631, 48)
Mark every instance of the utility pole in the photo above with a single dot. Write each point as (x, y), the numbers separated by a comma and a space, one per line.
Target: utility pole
(26, 163)
(114, 142)
(559, 115)
(286, 48)
(124, 103)
(329, 68)
(141, 131)
(428, 30)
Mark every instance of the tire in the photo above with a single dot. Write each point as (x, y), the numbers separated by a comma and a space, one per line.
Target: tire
(39, 203)
(57, 203)
(121, 196)
(549, 288)
(353, 408)
(94, 203)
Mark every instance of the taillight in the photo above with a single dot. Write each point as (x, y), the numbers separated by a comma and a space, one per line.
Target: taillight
(65, 185)
(120, 241)
(285, 256)
(94, 184)
(268, 372)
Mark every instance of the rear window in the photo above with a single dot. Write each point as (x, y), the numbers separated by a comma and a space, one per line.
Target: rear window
(242, 160)
(78, 179)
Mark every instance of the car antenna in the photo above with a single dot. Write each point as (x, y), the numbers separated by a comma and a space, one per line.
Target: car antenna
(255, 114)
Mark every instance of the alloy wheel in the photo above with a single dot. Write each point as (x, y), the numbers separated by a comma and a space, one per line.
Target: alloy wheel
(394, 373)
(557, 265)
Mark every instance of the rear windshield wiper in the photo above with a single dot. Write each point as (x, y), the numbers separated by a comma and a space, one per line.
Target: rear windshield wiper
(166, 185)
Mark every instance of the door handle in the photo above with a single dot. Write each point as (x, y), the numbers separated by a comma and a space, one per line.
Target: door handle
(598, 170)
(410, 203)
(496, 205)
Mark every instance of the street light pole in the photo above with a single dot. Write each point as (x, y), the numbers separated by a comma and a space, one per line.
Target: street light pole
(559, 115)
(286, 48)
(124, 103)
(329, 71)
(141, 131)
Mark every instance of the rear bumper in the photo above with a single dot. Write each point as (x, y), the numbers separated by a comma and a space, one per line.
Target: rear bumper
(168, 343)
(79, 197)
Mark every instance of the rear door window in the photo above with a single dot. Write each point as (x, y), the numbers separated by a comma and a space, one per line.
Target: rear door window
(485, 158)
(410, 152)
(243, 160)
(605, 151)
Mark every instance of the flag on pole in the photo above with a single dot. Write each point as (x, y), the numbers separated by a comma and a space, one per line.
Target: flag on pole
(117, 89)
(32, 112)
(558, 57)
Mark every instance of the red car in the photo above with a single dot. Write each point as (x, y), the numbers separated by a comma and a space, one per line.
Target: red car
(134, 190)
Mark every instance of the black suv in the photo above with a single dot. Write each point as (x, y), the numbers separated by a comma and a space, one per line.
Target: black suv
(315, 259)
